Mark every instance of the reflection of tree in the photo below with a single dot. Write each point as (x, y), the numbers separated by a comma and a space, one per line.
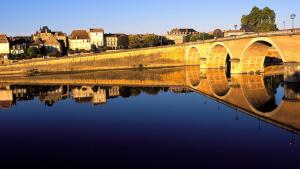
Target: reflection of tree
(151, 91)
(135, 91)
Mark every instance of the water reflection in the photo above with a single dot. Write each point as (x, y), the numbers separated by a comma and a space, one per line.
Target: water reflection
(263, 95)
(183, 108)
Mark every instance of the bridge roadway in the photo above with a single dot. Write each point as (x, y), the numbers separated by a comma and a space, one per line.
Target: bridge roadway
(244, 92)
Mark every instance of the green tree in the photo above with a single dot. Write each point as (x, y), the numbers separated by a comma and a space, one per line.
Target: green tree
(32, 52)
(218, 33)
(134, 41)
(93, 48)
(151, 40)
(123, 41)
(260, 20)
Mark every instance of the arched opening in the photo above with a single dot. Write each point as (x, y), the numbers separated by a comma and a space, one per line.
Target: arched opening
(228, 66)
(219, 58)
(260, 56)
(193, 57)
(264, 94)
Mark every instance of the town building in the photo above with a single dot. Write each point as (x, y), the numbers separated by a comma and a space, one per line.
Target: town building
(4, 45)
(20, 44)
(97, 37)
(47, 36)
(84, 40)
(178, 35)
(113, 41)
(80, 40)
(52, 45)
(244, 30)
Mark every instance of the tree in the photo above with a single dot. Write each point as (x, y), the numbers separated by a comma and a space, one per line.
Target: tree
(218, 33)
(151, 40)
(198, 37)
(123, 42)
(93, 48)
(134, 41)
(260, 20)
(32, 52)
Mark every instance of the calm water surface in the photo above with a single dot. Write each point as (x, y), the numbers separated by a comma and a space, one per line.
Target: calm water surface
(149, 120)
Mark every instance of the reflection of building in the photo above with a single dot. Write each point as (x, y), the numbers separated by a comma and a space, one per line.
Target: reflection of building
(6, 98)
(114, 91)
(178, 35)
(84, 94)
(99, 97)
(52, 96)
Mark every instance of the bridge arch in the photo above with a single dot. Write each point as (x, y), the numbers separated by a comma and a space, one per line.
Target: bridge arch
(219, 56)
(192, 56)
(256, 51)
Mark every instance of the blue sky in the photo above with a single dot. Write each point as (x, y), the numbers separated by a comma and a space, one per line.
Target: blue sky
(21, 17)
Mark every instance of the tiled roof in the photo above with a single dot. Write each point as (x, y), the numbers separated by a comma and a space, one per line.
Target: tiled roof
(51, 41)
(96, 30)
(3, 38)
(79, 34)
(38, 42)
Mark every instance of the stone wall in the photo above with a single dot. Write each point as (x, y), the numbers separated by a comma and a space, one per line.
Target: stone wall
(143, 58)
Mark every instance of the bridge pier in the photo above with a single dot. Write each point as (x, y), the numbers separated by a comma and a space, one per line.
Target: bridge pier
(235, 66)
(292, 72)
(203, 64)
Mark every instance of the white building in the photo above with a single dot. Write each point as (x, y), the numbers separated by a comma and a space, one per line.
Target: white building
(4, 44)
(97, 37)
(80, 40)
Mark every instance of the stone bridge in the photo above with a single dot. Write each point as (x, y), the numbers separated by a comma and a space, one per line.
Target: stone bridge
(246, 53)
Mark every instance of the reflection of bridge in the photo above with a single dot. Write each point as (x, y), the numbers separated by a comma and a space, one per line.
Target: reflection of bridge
(246, 53)
(245, 92)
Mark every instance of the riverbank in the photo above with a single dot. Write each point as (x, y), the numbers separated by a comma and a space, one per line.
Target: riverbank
(170, 56)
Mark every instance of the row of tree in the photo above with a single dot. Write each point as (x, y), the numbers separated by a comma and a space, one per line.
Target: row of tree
(149, 40)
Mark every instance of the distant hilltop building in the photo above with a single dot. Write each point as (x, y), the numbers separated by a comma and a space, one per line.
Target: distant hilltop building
(178, 35)
(244, 30)
(83, 40)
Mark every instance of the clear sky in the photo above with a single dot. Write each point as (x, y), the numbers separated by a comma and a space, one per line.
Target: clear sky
(21, 17)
